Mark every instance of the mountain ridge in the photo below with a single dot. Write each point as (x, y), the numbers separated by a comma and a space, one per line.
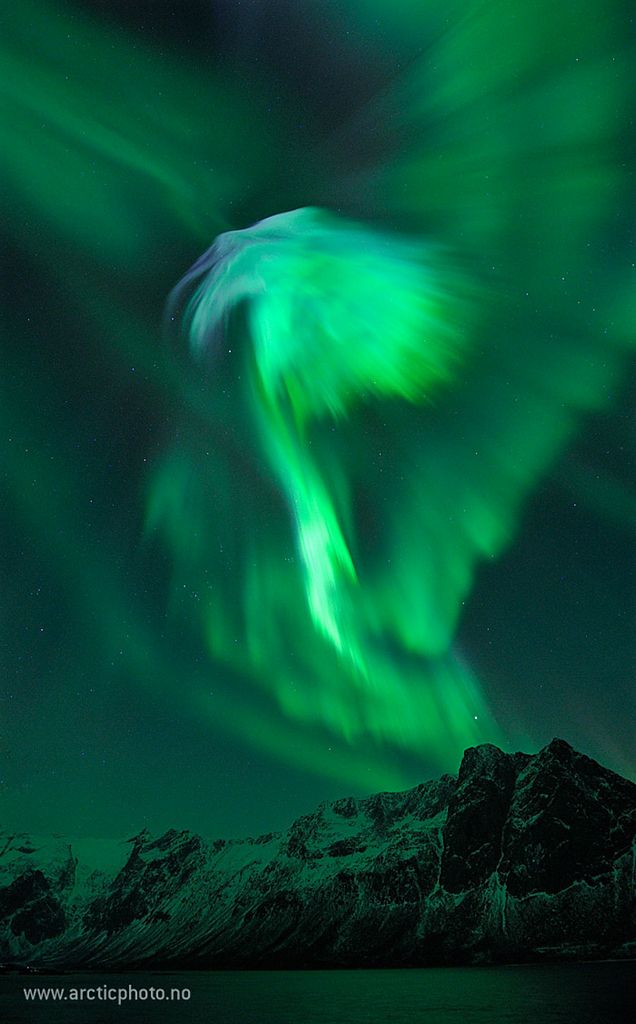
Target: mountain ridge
(518, 857)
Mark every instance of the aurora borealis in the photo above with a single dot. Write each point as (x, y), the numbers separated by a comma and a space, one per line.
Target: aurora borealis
(361, 493)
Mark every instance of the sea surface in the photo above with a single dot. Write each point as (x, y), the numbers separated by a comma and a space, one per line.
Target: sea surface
(600, 993)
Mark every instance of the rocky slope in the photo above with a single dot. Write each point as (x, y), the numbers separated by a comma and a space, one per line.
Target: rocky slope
(519, 857)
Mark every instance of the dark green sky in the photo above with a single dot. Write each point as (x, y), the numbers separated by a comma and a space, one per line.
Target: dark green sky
(134, 135)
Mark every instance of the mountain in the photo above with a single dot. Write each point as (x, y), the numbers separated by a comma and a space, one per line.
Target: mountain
(519, 857)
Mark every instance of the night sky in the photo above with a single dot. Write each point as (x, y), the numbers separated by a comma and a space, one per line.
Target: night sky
(162, 663)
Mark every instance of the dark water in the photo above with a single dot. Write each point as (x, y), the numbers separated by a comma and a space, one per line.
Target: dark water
(574, 994)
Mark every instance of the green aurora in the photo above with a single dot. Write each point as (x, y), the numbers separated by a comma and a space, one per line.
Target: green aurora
(257, 558)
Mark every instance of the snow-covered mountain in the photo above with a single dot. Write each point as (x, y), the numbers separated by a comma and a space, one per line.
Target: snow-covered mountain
(519, 857)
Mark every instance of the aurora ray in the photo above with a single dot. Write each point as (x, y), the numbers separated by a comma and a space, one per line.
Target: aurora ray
(341, 322)
(338, 315)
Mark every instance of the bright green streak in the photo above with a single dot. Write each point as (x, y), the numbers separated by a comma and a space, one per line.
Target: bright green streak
(339, 315)
(344, 323)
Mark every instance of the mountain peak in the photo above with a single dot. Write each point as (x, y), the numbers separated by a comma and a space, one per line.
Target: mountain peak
(559, 747)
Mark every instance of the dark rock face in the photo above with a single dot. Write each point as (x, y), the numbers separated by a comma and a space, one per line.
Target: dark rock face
(570, 820)
(477, 814)
(32, 908)
(519, 857)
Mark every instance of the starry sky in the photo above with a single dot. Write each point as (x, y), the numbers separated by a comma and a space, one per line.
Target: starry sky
(161, 663)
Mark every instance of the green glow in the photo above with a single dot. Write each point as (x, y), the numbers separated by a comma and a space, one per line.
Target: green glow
(394, 402)
(404, 370)
(341, 318)
(339, 315)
